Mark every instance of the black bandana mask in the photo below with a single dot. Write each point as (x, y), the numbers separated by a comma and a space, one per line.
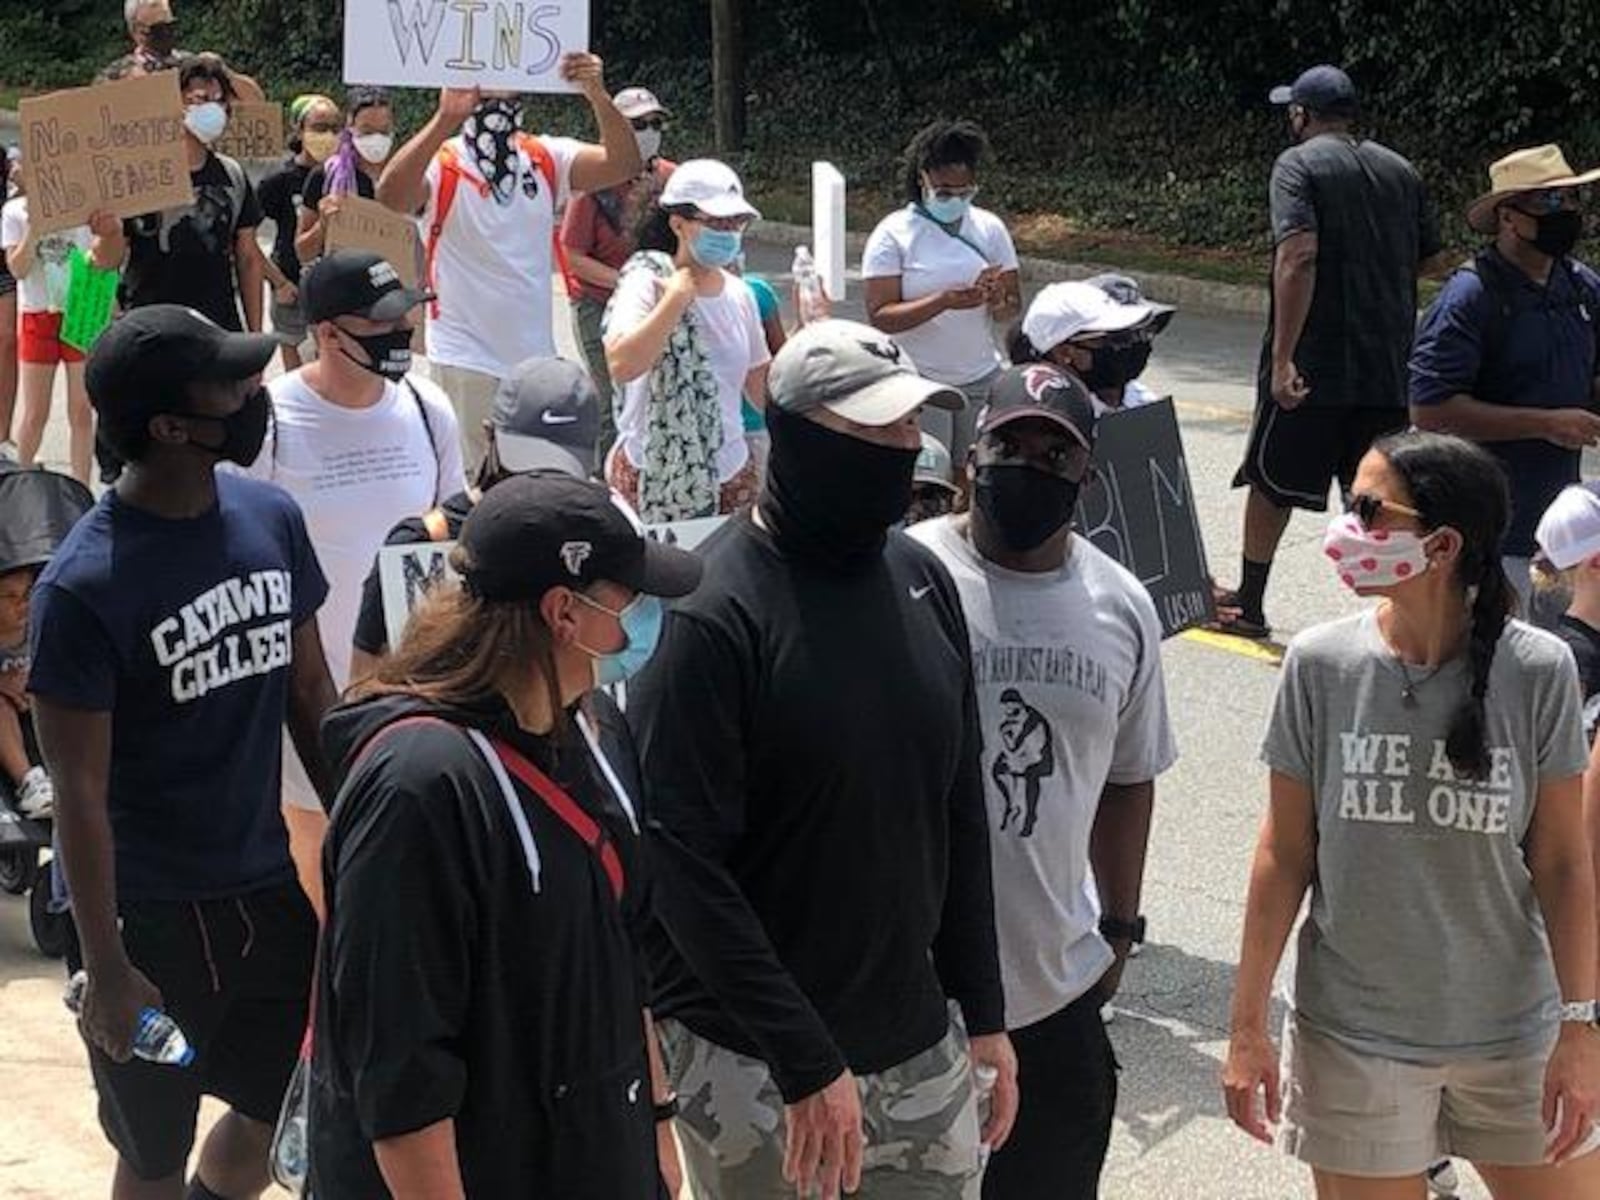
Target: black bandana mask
(491, 137)
(830, 496)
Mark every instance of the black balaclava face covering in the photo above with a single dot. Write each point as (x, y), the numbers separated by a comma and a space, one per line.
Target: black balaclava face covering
(1114, 367)
(830, 496)
(1025, 506)
(491, 136)
(1558, 233)
(243, 430)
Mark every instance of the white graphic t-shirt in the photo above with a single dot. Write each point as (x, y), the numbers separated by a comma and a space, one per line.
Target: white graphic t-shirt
(1424, 941)
(355, 474)
(1071, 696)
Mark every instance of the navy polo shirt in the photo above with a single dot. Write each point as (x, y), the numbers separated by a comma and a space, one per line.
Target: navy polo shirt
(1538, 353)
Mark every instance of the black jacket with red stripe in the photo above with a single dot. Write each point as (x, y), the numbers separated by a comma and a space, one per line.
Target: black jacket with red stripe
(450, 988)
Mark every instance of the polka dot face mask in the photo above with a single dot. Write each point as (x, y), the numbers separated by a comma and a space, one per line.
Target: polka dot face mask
(1366, 559)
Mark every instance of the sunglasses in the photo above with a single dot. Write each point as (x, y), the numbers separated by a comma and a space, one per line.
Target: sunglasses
(1551, 200)
(966, 193)
(656, 123)
(1367, 508)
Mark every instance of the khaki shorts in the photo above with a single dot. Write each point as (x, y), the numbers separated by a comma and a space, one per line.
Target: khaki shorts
(1358, 1114)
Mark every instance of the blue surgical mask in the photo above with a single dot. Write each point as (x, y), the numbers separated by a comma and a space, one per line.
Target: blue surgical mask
(641, 625)
(206, 121)
(947, 210)
(716, 247)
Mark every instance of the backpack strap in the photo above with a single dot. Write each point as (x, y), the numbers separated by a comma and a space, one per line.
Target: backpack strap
(238, 183)
(450, 177)
(541, 157)
(433, 442)
(567, 810)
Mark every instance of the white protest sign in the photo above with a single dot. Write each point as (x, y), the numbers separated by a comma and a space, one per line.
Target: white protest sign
(409, 572)
(405, 575)
(827, 227)
(513, 45)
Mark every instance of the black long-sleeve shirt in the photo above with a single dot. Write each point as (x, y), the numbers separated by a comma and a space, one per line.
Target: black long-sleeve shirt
(810, 740)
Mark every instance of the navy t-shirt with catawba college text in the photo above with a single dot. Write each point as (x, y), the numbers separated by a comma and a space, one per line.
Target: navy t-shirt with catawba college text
(181, 630)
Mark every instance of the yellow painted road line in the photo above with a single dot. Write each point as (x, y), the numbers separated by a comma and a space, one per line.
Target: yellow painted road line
(1212, 412)
(1267, 652)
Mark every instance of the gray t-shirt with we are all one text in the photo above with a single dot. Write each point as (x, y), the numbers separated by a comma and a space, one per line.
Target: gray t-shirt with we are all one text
(1425, 941)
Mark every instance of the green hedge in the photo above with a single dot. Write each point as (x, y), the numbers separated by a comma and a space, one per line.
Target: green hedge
(1142, 117)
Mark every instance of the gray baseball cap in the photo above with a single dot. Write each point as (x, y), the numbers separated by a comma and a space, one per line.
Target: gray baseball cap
(854, 371)
(547, 414)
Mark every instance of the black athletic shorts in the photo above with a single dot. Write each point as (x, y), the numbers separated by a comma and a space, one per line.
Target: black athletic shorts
(236, 976)
(1295, 454)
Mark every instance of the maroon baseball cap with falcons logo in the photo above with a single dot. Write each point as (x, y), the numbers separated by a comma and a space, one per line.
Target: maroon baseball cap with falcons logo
(1040, 390)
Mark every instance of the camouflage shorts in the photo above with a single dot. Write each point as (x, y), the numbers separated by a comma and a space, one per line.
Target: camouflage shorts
(920, 1120)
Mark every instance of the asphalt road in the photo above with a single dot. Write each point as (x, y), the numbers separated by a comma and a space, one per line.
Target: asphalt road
(1172, 1138)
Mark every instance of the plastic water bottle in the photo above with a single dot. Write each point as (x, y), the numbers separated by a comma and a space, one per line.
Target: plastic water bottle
(809, 301)
(985, 1077)
(158, 1038)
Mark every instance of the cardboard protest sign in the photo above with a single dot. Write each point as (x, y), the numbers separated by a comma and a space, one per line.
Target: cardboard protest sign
(91, 295)
(1139, 509)
(117, 147)
(463, 43)
(408, 573)
(367, 225)
(255, 131)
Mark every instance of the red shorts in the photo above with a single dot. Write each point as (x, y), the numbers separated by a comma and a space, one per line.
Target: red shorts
(40, 342)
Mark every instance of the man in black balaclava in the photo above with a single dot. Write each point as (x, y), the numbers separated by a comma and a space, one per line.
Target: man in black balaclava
(809, 727)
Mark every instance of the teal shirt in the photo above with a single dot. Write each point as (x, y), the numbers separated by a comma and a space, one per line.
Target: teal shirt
(767, 306)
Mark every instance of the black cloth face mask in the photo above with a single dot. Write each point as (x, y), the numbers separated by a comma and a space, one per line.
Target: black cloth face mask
(1115, 367)
(1024, 506)
(243, 431)
(388, 354)
(1558, 232)
(830, 496)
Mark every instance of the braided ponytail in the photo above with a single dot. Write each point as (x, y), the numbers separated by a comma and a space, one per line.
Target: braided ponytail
(1467, 743)
(1455, 484)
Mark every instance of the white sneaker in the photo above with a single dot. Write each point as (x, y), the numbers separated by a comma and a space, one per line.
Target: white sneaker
(9, 452)
(1442, 1180)
(36, 798)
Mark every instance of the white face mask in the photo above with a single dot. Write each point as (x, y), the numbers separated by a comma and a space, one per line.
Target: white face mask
(374, 147)
(649, 142)
(206, 121)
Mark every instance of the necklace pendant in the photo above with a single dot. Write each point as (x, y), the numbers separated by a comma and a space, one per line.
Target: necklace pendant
(1408, 696)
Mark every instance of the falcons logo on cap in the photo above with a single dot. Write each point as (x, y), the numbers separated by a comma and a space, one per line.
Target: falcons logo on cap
(1039, 378)
(887, 351)
(574, 555)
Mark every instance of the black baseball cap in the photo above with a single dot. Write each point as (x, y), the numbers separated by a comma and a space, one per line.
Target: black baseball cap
(1322, 89)
(1040, 390)
(356, 283)
(547, 414)
(149, 354)
(546, 529)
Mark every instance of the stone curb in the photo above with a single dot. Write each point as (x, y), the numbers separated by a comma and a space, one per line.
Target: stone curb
(1181, 290)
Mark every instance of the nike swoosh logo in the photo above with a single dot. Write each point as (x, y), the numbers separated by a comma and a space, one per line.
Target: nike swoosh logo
(919, 593)
(550, 418)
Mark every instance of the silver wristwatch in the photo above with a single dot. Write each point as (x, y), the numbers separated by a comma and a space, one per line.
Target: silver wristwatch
(1578, 1011)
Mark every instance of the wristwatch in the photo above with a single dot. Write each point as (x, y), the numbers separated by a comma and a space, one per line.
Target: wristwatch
(1578, 1011)
(1115, 929)
(667, 1109)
